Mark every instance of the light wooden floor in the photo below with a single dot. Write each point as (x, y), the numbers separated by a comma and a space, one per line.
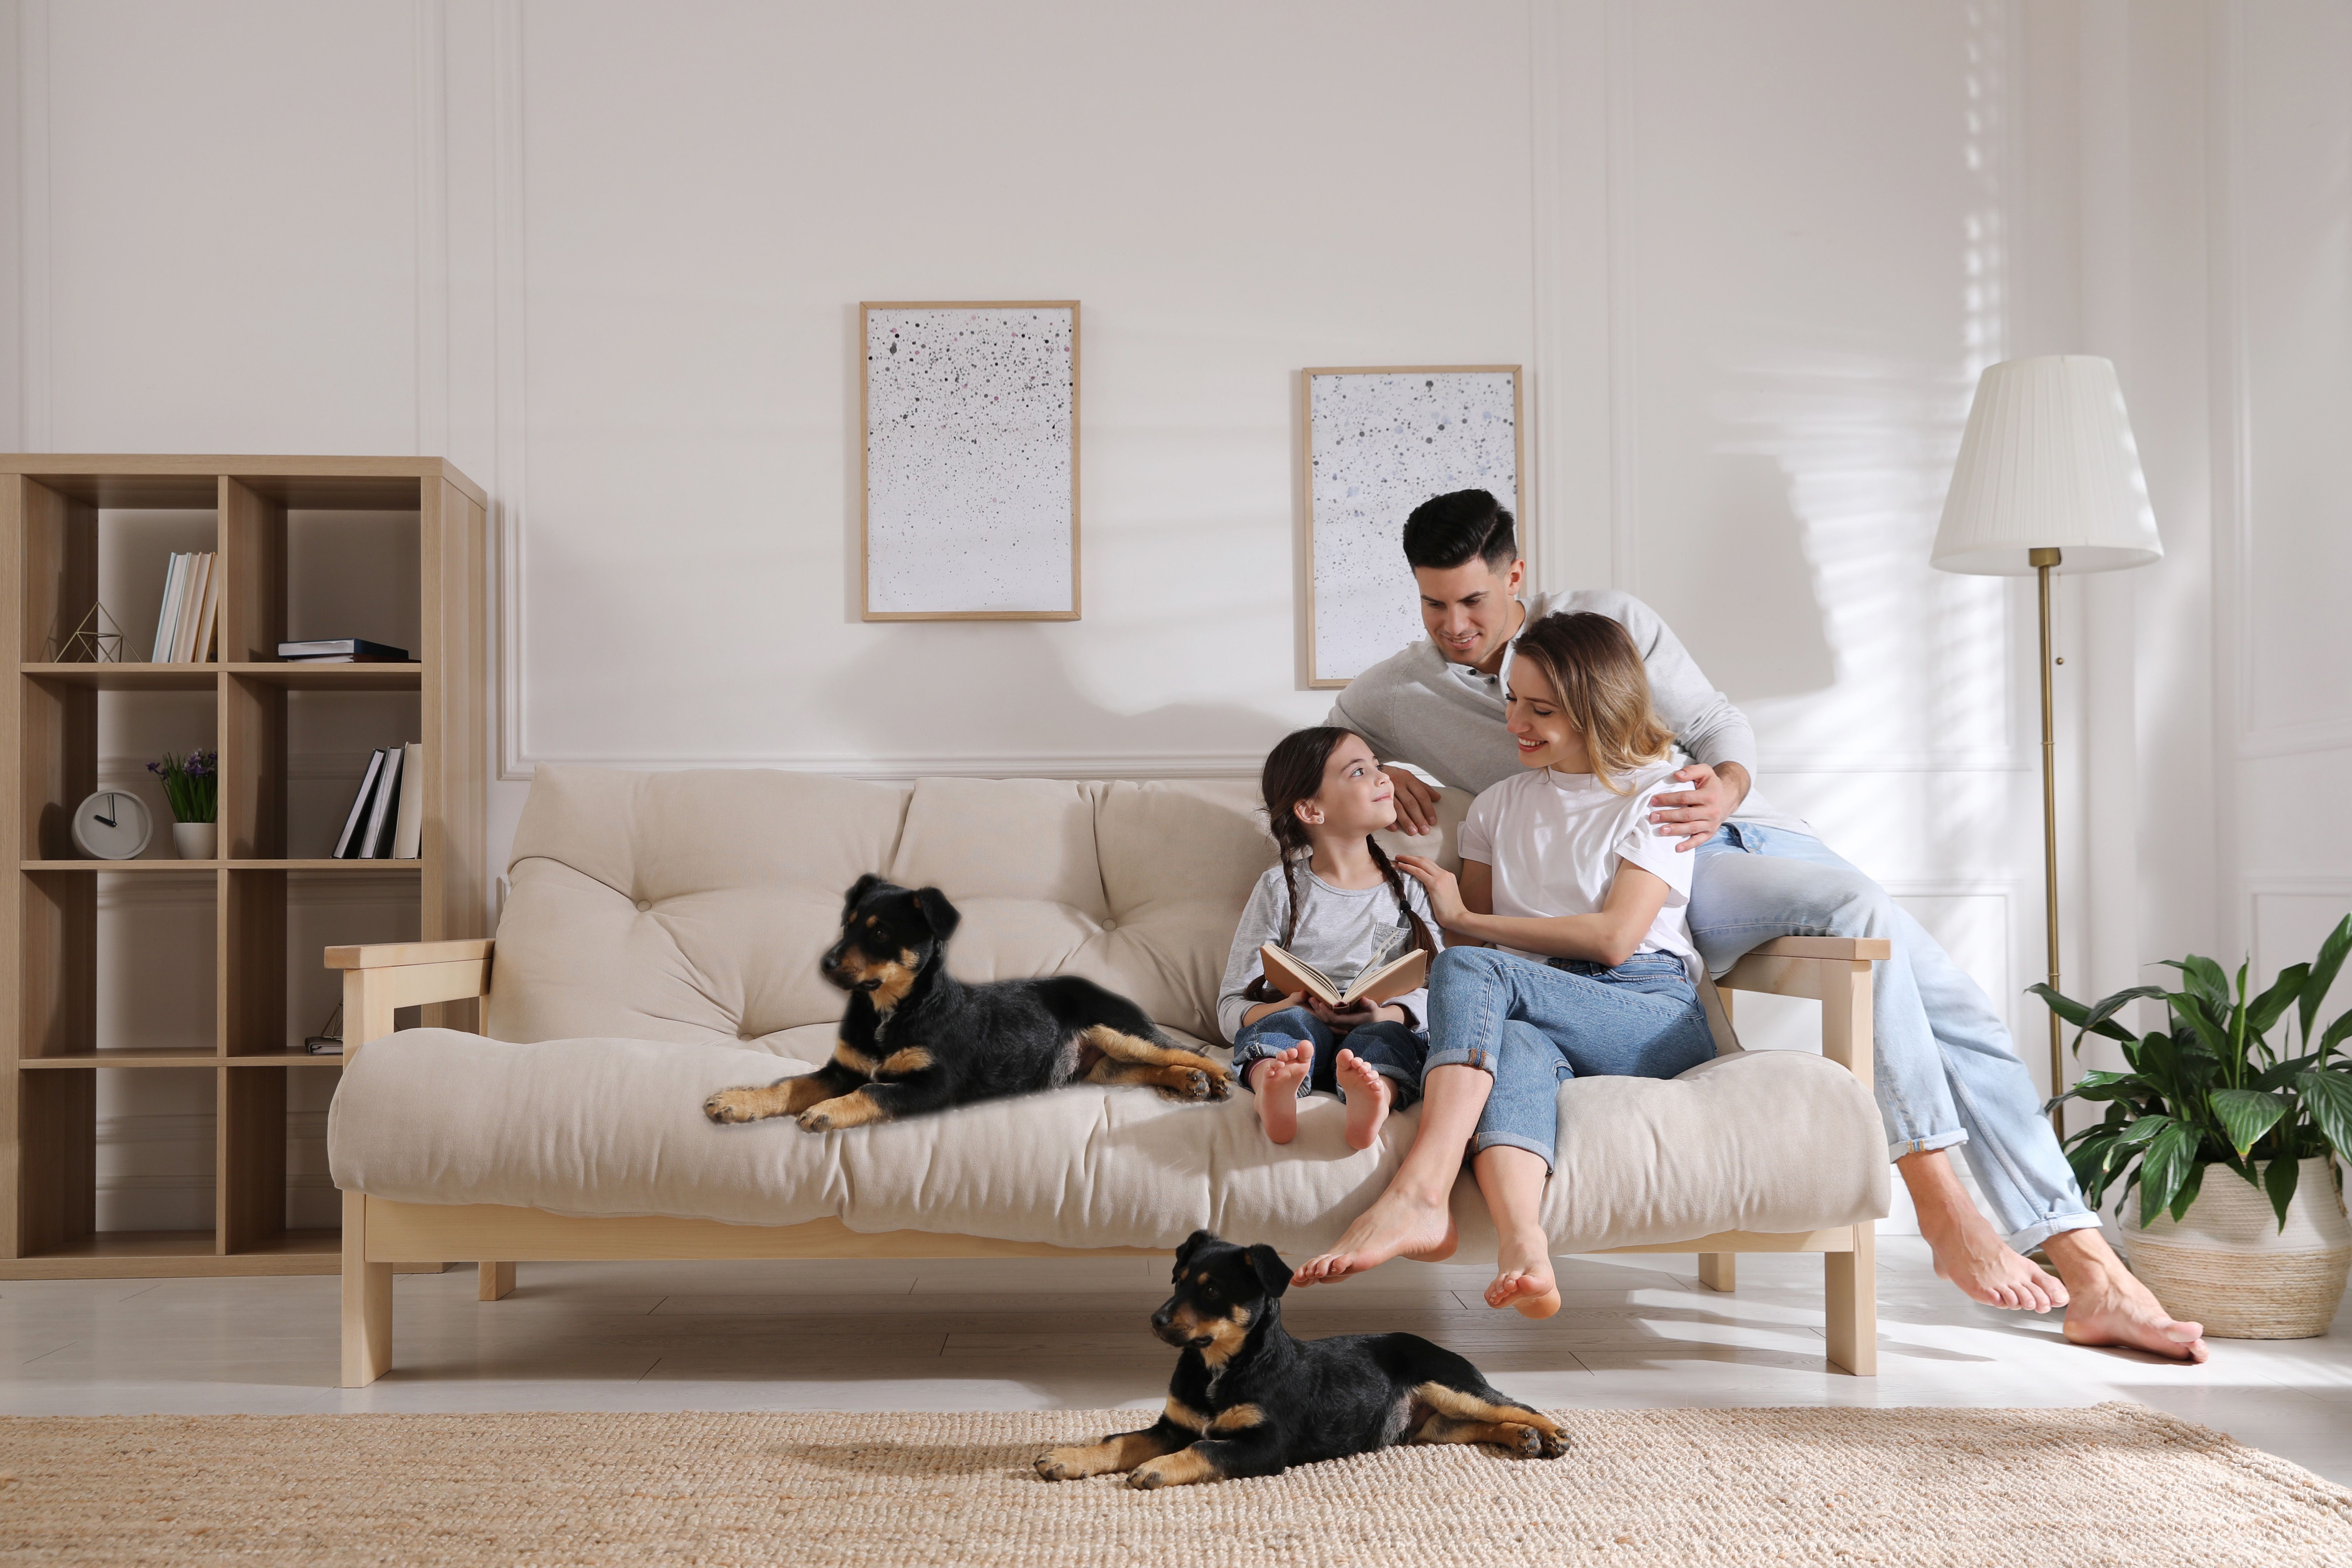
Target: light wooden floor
(988, 1335)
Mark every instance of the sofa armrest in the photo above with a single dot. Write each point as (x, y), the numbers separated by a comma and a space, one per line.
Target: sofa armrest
(1856, 948)
(399, 954)
(382, 977)
(1831, 970)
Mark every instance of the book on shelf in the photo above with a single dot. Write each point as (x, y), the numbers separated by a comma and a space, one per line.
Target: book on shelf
(1285, 971)
(187, 624)
(208, 613)
(347, 843)
(408, 836)
(167, 618)
(375, 837)
(341, 650)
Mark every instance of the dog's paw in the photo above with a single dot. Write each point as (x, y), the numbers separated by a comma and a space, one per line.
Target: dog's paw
(1220, 1085)
(732, 1105)
(1056, 1464)
(817, 1119)
(1148, 1478)
(1534, 1442)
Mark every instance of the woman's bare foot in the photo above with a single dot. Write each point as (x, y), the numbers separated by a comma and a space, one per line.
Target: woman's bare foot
(2111, 1307)
(1968, 1252)
(1276, 1080)
(1523, 1277)
(1398, 1224)
(1368, 1097)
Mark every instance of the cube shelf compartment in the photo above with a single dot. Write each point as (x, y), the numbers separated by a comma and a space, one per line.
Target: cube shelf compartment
(50, 1063)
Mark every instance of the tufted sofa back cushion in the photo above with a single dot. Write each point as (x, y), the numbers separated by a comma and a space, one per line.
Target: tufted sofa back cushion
(693, 906)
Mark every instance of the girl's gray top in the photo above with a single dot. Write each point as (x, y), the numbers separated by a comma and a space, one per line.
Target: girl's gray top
(1342, 931)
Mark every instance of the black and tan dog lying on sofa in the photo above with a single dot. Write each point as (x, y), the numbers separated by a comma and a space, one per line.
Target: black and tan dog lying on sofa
(1249, 1400)
(915, 1039)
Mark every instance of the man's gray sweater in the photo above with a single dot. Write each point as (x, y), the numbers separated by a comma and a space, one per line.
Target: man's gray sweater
(1447, 718)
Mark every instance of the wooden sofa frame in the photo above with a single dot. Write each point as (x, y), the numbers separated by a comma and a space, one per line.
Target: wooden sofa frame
(379, 1233)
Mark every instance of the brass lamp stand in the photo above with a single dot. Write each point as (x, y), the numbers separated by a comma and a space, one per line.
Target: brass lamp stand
(2042, 560)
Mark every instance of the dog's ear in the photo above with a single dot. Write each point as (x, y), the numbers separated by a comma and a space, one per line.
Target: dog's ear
(1193, 1244)
(941, 915)
(857, 891)
(1272, 1271)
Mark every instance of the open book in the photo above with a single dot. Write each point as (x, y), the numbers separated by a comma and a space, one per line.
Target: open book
(1286, 972)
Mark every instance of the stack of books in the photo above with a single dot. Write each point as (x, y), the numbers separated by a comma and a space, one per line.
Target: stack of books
(341, 650)
(188, 624)
(386, 821)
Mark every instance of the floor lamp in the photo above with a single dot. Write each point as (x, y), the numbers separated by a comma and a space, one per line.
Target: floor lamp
(2048, 480)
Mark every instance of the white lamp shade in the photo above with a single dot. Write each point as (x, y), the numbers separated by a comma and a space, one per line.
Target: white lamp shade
(2048, 461)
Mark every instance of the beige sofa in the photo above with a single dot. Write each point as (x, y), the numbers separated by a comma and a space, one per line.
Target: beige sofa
(660, 942)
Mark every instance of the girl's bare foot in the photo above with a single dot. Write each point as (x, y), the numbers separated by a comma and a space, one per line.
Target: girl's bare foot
(1968, 1252)
(1398, 1224)
(2111, 1307)
(1368, 1097)
(1277, 1080)
(1523, 1277)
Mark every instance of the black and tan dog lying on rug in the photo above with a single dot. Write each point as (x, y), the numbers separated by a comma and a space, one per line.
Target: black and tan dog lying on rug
(915, 1039)
(1249, 1400)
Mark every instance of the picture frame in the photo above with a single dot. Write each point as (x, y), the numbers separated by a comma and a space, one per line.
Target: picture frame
(1355, 589)
(962, 484)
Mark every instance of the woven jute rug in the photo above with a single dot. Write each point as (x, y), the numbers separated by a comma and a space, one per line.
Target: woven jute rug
(2114, 1484)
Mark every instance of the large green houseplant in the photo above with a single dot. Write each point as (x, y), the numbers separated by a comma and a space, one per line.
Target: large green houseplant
(2211, 1088)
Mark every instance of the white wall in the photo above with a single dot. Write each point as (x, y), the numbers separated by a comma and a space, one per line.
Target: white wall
(606, 256)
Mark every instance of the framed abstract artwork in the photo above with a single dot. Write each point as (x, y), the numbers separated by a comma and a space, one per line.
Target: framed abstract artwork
(970, 461)
(1380, 441)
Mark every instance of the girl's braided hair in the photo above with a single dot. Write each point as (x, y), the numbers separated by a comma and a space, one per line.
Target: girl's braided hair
(1294, 773)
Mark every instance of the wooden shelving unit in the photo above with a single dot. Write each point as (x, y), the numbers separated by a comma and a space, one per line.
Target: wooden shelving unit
(51, 512)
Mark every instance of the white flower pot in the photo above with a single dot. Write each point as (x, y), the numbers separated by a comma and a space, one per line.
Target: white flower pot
(2226, 1264)
(196, 840)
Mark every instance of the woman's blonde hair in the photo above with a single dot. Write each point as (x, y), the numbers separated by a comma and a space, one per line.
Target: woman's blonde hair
(1597, 674)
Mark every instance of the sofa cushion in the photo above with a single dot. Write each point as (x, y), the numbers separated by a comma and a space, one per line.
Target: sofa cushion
(692, 905)
(1757, 1140)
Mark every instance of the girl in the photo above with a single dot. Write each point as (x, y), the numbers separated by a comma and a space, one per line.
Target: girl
(1591, 968)
(1344, 911)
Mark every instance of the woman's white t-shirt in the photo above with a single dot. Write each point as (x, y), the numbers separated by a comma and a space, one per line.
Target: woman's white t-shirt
(1554, 841)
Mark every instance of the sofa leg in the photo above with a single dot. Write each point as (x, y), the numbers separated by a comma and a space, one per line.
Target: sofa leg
(497, 1282)
(367, 1301)
(1719, 1271)
(1850, 1303)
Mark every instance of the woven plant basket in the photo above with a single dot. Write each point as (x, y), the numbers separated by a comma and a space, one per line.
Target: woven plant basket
(2227, 1265)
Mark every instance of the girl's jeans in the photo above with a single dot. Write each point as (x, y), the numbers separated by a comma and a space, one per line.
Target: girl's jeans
(1536, 1026)
(1391, 1050)
(1943, 1070)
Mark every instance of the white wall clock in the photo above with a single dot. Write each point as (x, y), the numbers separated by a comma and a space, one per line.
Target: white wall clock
(112, 825)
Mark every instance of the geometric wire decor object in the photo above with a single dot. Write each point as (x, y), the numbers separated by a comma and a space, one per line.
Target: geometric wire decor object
(970, 461)
(1381, 441)
(96, 640)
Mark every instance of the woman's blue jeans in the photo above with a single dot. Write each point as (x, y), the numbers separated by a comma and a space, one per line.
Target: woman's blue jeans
(1391, 1050)
(1943, 1070)
(1534, 1025)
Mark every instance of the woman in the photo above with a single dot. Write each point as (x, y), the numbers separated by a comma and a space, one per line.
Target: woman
(1588, 966)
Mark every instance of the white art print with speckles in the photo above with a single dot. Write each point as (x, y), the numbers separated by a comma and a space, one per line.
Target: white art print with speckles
(970, 449)
(1380, 443)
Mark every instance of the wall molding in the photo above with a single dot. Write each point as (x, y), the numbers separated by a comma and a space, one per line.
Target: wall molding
(2236, 456)
(35, 408)
(509, 481)
(431, 138)
(1620, 50)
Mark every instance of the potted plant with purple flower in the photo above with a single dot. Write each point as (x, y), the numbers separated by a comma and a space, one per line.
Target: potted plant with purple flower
(193, 785)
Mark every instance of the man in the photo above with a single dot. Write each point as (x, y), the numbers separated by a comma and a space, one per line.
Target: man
(1945, 1072)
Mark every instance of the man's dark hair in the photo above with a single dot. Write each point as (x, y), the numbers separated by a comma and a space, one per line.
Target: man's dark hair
(1446, 531)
